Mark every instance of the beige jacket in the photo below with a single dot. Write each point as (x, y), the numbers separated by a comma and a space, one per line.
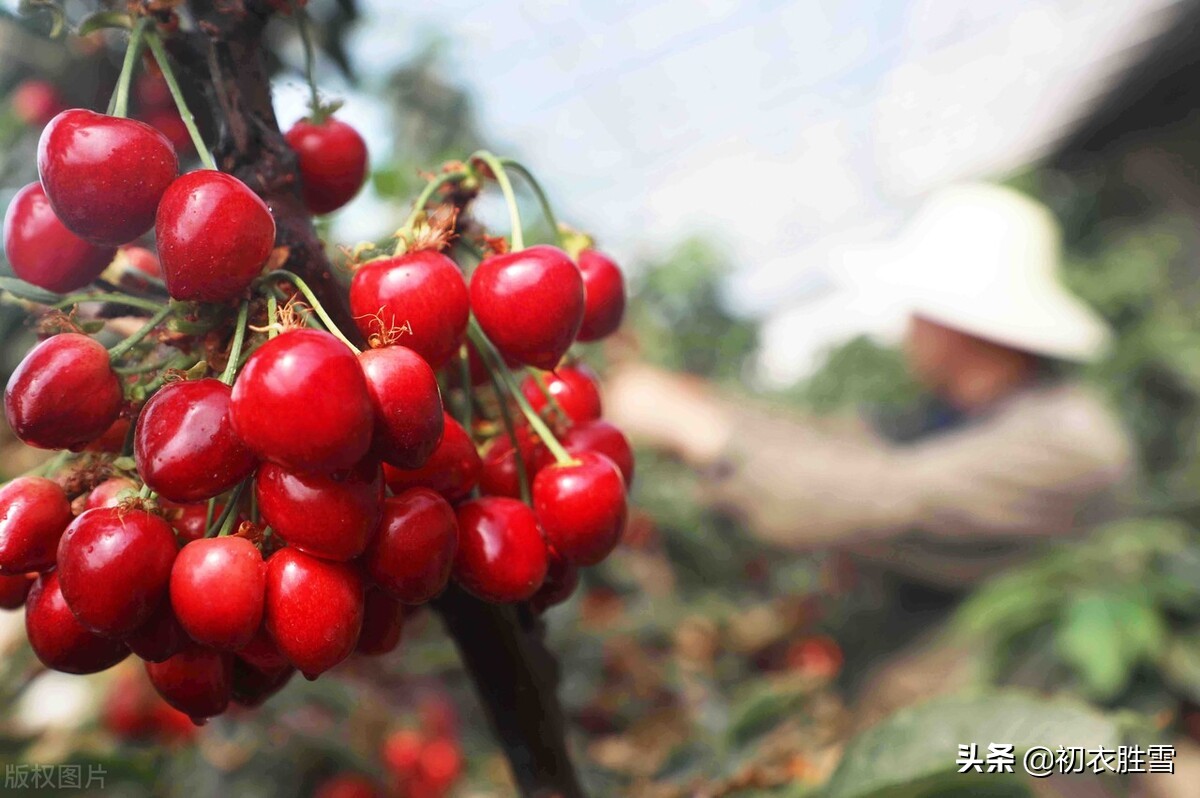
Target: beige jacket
(948, 510)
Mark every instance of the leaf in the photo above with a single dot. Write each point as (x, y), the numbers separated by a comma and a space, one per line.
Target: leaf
(761, 713)
(916, 747)
(1089, 640)
(1181, 666)
(24, 290)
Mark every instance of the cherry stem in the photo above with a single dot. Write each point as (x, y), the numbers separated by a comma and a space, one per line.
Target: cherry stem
(160, 56)
(120, 99)
(514, 213)
(543, 200)
(235, 348)
(422, 200)
(314, 303)
(464, 370)
(302, 25)
(511, 429)
(116, 299)
(209, 513)
(539, 380)
(272, 309)
(120, 349)
(225, 521)
(50, 466)
(144, 492)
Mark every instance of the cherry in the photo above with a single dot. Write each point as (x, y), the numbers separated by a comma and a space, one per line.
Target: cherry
(34, 511)
(314, 609)
(58, 639)
(581, 507)
(348, 785)
(402, 751)
(301, 402)
(383, 622)
(35, 102)
(197, 681)
(42, 251)
(562, 577)
(115, 565)
(160, 637)
(499, 476)
(151, 91)
(501, 555)
(217, 588)
(327, 515)
(110, 493)
(112, 440)
(452, 470)
(604, 291)
(143, 260)
(214, 235)
(168, 122)
(603, 438)
(333, 162)
(263, 655)
(440, 765)
(575, 389)
(190, 521)
(14, 589)
(530, 303)
(104, 175)
(417, 299)
(412, 554)
(185, 446)
(817, 657)
(63, 394)
(408, 405)
(133, 710)
(252, 687)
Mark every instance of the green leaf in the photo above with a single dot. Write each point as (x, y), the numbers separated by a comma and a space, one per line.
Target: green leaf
(1089, 640)
(24, 290)
(762, 712)
(917, 747)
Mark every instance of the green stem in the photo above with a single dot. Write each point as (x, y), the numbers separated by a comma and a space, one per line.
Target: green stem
(160, 55)
(514, 213)
(464, 370)
(511, 429)
(539, 380)
(50, 466)
(543, 200)
(209, 513)
(235, 348)
(144, 492)
(422, 200)
(302, 25)
(116, 299)
(120, 98)
(224, 522)
(272, 310)
(118, 351)
(314, 303)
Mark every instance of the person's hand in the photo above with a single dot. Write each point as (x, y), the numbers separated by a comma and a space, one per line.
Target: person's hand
(668, 411)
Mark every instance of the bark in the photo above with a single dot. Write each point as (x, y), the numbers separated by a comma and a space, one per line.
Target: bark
(224, 63)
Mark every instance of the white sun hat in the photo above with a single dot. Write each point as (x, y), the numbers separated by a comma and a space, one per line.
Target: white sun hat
(984, 259)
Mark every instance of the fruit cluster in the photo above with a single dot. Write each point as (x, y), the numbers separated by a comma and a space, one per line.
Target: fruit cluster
(242, 491)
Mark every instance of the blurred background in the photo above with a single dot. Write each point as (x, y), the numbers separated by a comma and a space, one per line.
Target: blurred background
(728, 154)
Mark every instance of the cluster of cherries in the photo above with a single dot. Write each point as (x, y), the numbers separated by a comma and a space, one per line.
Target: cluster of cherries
(284, 511)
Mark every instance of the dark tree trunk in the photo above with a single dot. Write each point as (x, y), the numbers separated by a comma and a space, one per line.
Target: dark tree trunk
(502, 647)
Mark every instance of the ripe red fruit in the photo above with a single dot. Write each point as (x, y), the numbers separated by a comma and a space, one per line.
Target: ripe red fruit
(603, 438)
(440, 765)
(185, 445)
(143, 260)
(452, 470)
(114, 565)
(14, 589)
(188, 520)
(58, 639)
(263, 655)
(402, 751)
(34, 511)
(333, 162)
(104, 175)
(575, 388)
(251, 686)
(168, 122)
(314, 609)
(160, 637)
(530, 303)
(63, 394)
(217, 589)
(110, 493)
(581, 507)
(35, 101)
(214, 235)
(501, 555)
(562, 577)
(348, 785)
(112, 440)
(42, 251)
(499, 476)
(604, 291)
(818, 657)
(326, 515)
(197, 681)
(412, 554)
(383, 622)
(301, 402)
(408, 405)
(417, 299)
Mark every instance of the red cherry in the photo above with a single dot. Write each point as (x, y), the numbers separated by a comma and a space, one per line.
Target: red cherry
(115, 564)
(197, 681)
(125, 710)
(160, 637)
(263, 655)
(530, 303)
(252, 687)
(603, 438)
(185, 446)
(301, 401)
(412, 554)
(333, 162)
(168, 122)
(112, 440)
(35, 102)
(499, 476)
(818, 657)
(440, 765)
(417, 299)
(314, 609)
(383, 622)
(408, 405)
(33, 514)
(214, 235)
(104, 175)
(575, 389)
(581, 507)
(110, 493)
(58, 639)
(326, 515)
(402, 751)
(562, 577)
(452, 470)
(348, 785)
(151, 91)
(14, 589)
(143, 260)
(42, 251)
(501, 555)
(604, 291)
(190, 521)
(217, 588)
